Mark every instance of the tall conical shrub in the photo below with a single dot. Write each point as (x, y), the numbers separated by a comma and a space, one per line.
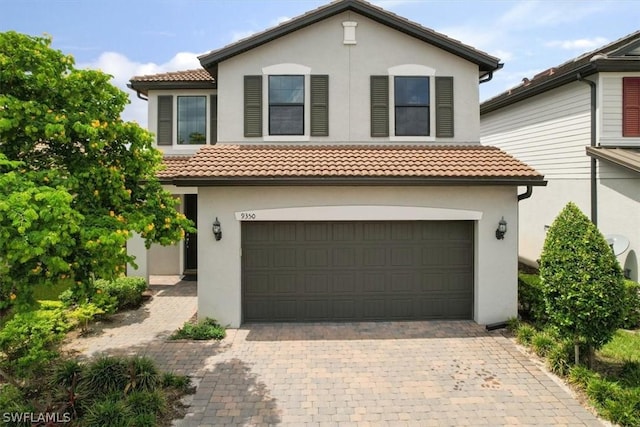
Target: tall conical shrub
(582, 282)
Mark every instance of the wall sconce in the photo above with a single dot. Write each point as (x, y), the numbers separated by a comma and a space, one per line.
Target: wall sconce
(217, 229)
(502, 229)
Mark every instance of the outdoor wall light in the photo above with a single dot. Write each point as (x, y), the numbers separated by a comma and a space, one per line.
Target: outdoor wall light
(217, 229)
(502, 229)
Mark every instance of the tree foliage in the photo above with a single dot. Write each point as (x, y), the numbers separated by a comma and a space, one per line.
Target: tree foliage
(582, 281)
(77, 180)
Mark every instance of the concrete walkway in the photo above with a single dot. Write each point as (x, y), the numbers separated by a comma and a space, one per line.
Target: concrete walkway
(353, 374)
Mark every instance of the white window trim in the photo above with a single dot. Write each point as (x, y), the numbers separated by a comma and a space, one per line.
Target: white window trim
(405, 70)
(174, 137)
(286, 69)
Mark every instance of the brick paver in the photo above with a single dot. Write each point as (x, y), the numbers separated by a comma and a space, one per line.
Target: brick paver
(356, 374)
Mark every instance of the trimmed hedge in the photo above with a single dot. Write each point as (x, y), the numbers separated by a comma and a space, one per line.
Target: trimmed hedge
(530, 297)
(631, 305)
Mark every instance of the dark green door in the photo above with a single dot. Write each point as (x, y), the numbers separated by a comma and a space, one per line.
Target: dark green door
(191, 239)
(353, 271)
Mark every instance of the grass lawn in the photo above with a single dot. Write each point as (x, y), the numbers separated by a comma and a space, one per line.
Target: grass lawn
(625, 346)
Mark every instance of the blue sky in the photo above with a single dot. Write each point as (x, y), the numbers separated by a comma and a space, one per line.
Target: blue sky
(133, 37)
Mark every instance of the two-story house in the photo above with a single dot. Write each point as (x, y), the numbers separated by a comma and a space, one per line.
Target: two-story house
(338, 172)
(579, 125)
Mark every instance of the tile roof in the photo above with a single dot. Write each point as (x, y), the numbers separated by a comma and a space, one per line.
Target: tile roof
(356, 161)
(604, 58)
(197, 75)
(172, 166)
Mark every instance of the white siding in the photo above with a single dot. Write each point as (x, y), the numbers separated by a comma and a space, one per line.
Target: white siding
(549, 131)
(611, 112)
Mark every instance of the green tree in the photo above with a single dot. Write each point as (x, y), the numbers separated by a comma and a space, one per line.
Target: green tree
(582, 282)
(80, 180)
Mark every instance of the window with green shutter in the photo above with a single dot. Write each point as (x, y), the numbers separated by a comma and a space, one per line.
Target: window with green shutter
(444, 107)
(319, 105)
(165, 120)
(252, 106)
(379, 106)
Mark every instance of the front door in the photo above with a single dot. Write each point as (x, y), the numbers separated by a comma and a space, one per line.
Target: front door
(191, 239)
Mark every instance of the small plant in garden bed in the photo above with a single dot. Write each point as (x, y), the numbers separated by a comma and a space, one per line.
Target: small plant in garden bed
(205, 329)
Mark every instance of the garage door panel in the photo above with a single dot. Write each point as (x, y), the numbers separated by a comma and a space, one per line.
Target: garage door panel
(374, 256)
(350, 271)
(316, 257)
(344, 283)
(373, 282)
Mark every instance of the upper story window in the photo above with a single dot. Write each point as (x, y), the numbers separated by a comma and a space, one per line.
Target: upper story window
(286, 105)
(631, 106)
(411, 102)
(192, 120)
(185, 120)
(295, 105)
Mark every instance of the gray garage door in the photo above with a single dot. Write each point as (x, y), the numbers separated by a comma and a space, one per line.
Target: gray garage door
(350, 271)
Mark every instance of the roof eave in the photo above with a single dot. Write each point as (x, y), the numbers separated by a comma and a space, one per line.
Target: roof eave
(485, 62)
(598, 153)
(357, 181)
(593, 67)
(145, 86)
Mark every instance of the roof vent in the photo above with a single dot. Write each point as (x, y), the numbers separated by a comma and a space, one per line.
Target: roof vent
(349, 32)
(526, 81)
(598, 56)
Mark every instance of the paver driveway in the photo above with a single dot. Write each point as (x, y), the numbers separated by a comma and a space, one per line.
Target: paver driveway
(399, 373)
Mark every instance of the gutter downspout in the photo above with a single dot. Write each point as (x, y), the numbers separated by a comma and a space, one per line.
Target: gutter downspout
(526, 194)
(487, 77)
(594, 188)
(140, 96)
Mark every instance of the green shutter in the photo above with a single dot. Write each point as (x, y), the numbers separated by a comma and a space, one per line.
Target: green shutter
(165, 120)
(319, 105)
(379, 105)
(213, 119)
(252, 106)
(444, 107)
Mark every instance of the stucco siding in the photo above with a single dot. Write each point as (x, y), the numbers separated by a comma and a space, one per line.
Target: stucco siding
(549, 131)
(349, 68)
(219, 279)
(619, 211)
(611, 111)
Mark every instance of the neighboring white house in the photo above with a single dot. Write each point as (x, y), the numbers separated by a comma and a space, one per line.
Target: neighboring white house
(338, 172)
(579, 125)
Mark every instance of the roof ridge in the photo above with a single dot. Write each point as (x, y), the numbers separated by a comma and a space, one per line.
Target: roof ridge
(345, 147)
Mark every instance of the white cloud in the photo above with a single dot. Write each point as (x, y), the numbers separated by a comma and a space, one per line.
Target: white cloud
(579, 44)
(123, 68)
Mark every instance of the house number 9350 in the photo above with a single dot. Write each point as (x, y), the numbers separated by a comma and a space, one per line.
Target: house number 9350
(247, 215)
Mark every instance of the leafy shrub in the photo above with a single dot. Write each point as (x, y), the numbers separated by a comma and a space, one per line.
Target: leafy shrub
(12, 400)
(631, 305)
(524, 334)
(107, 374)
(630, 374)
(205, 329)
(126, 290)
(30, 338)
(68, 297)
(107, 413)
(624, 410)
(600, 390)
(559, 358)
(530, 297)
(84, 314)
(179, 382)
(581, 376)
(142, 375)
(542, 342)
(582, 281)
(146, 402)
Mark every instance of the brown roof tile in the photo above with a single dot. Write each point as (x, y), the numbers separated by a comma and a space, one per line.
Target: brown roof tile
(172, 166)
(288, 161)
(198, 75)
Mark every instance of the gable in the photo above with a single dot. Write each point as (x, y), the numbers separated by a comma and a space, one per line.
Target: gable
(485, 62)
